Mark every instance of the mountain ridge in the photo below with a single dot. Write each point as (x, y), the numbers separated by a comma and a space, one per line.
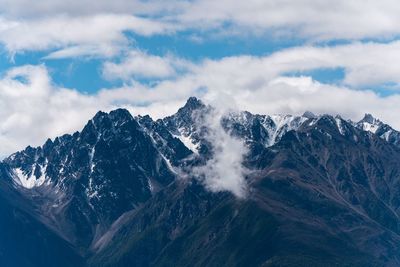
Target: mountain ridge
(122, 191)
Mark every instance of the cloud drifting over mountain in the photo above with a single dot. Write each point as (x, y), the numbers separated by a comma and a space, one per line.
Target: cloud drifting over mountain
(358, 38)
(224, 171)
(32, 104)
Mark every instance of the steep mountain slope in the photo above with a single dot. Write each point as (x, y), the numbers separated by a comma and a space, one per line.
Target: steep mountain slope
(85, 181)
(323, 191)
(324, 195)
(375, 126)
(24, 238)
(200, 229)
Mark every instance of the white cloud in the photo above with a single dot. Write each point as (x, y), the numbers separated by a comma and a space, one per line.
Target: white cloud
(363, 63)
(30, 102)
(89, 50)
(224, 171)
(45, 8)
(31, 108)
(315, 19)
(78, 27)
(139, 65)
(258, 84)
(99, 35)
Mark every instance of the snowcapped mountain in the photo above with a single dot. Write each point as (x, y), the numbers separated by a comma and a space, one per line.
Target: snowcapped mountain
(92, 177)
(323, 191)
(375, 126)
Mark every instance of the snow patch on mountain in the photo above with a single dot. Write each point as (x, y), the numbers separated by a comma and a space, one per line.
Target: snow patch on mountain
(369, 127)
(29, 181)
(369, 124)
(187, 141)
(284, 124)
(339, 125)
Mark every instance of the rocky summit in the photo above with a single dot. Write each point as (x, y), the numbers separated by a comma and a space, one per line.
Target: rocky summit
(316, 190)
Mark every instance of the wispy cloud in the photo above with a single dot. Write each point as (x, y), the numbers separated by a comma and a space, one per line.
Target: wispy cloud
(31, 103)
(100, 35)
(31, 108)
(224, 171)
(74, 26)
(310, 19)
(46, 8)
(138, 64)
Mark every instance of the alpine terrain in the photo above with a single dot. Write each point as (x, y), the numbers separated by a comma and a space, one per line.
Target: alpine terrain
(205, 188)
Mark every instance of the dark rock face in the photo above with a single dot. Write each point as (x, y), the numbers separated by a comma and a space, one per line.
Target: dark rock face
(24, 238)
(380, 129)
(94, 176)
(170, 146)
(322, 192)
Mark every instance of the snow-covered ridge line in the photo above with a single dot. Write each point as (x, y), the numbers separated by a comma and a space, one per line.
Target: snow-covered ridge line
(183, 125)
(277, 125)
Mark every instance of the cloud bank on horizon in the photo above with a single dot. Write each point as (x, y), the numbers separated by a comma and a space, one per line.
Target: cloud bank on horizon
(62, 61)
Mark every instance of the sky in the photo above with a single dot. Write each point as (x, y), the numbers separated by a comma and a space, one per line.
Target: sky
(62, 61)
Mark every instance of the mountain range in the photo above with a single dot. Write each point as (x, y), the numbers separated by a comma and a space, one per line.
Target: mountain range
(205, 188)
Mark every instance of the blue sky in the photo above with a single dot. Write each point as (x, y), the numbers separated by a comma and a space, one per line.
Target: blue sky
(62, 61)
(84, 73)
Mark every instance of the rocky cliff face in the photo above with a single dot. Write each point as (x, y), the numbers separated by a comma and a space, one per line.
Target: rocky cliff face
(85, 181)
(322, 191)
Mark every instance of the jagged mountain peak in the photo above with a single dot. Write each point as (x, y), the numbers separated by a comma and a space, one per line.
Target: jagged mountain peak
(115, 117)
(370, 123)
(193, 103)
(95, 175)
(177, 135)
(120, 114)
(117, 183)
(309, 114)
(369, 118)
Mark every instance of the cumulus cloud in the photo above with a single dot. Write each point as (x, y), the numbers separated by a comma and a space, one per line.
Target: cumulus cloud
(31, 102)
(363, 63)
(45, 8)
(77, 27)
(312, 19)
(259, 84)
(139, 65)
(31, 108)
(95, 35)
